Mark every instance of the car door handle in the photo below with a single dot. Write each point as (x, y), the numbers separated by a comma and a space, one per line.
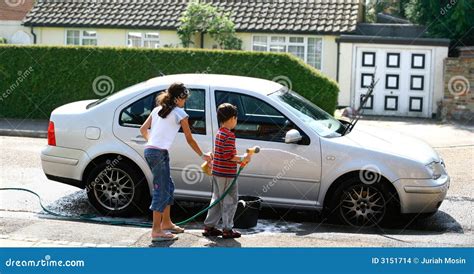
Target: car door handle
(138, 139)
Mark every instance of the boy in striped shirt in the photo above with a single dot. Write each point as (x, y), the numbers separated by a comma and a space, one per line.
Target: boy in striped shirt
(224, 170)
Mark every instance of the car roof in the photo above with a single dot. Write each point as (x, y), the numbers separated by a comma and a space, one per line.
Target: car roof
(219, 80)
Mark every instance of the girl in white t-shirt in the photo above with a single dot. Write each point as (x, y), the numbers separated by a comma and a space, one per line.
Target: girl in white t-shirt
(164, 122)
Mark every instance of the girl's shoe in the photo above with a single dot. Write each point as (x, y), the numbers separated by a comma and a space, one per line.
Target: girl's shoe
(230, 234)
(164, 238)
(211, 232)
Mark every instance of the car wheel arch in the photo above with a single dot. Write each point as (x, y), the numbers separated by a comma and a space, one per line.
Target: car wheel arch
(111, 156)
(354, 174)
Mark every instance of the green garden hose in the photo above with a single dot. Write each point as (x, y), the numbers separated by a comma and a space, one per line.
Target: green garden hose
(103, 220)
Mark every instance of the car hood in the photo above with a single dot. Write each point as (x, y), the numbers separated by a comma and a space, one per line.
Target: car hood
(392, 142)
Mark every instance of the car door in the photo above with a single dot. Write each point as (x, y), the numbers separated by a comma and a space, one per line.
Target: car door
(185, 164)
(282, 174)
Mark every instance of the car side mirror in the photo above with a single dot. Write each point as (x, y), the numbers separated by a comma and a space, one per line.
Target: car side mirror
(293, 136)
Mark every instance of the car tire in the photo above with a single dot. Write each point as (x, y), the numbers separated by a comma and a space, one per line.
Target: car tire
(360, 204)
(117, 189)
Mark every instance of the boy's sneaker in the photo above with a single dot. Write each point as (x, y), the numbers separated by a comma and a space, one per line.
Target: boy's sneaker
(211, 231)
(230, 234)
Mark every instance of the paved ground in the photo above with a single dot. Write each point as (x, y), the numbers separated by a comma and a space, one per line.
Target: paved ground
(22, 222)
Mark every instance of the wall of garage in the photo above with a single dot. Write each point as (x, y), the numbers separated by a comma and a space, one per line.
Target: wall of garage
(350, 83)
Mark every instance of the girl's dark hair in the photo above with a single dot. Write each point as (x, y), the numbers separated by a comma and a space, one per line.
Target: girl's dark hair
(226, 111)
(167, 99)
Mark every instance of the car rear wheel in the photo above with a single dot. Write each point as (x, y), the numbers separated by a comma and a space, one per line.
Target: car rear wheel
(363, 205)
(117, 190)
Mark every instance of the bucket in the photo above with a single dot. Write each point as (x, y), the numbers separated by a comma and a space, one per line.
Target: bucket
(247, 212)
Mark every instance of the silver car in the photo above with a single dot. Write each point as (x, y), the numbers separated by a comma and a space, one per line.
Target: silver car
(362, 177)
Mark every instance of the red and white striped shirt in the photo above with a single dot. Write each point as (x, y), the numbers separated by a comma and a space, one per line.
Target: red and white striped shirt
(224, 151)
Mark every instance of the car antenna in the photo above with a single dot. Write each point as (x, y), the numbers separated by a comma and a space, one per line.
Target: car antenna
(360, 110)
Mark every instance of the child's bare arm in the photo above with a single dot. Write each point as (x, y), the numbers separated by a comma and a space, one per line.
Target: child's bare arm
(144, 128)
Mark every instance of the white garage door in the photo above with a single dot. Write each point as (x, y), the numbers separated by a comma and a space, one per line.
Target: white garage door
(404, 87)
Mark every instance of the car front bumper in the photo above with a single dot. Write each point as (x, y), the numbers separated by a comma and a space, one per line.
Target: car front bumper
(422, 195)
(64, 165)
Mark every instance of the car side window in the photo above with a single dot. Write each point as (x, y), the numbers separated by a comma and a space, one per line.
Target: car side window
(258, 120)
(195, 107)
(136, 113)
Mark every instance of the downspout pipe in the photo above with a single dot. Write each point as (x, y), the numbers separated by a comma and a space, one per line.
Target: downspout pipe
(34, 34)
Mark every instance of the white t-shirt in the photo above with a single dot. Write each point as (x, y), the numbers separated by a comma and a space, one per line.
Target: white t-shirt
(163, 131)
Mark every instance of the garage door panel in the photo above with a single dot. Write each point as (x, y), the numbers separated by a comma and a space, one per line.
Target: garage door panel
(404, 87)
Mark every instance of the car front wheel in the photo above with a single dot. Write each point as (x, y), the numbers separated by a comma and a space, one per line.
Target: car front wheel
(363, 205)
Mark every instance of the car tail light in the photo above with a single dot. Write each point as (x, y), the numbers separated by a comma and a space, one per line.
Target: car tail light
(51, 135)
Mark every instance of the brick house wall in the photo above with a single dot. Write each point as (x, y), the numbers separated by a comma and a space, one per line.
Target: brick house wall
(458, 101)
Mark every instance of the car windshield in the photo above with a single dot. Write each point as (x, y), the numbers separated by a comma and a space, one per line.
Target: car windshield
(320, 121)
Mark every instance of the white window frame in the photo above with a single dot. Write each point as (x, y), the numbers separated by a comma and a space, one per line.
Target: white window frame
(143, 39)
(81, 37)
(288, 43)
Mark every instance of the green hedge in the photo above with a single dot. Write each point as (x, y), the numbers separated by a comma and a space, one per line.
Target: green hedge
(34, 80)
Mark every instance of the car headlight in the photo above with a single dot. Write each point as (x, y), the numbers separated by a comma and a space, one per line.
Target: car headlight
(436, 169)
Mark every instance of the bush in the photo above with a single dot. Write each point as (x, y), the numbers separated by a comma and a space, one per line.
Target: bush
(34, 80)
(3, 40)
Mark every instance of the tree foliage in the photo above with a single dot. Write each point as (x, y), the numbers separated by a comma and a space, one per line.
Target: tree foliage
(205, 18)
(452, 19)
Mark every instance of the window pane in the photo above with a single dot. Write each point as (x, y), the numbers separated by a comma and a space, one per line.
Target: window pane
(151, 44)
(88, 33)
(257, 119)
(296, 39)
(259, 43)
(196, 109)
(298, 51)
(314, 52)
(152, 35)
(136, 113)
(72, 37)
(278, 39)
(89, 42)
(278, 48)
(134, 39)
